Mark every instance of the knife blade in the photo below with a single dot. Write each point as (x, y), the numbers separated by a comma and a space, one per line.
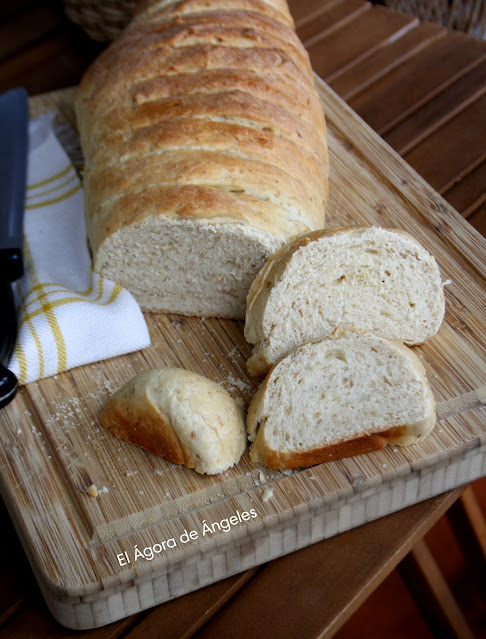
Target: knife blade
(13, 169)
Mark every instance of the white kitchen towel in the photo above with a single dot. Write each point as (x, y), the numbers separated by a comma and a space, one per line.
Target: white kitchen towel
(68, 315)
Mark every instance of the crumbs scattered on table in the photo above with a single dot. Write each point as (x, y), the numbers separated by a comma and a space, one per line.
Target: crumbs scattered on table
(267, 494)
(92, 491)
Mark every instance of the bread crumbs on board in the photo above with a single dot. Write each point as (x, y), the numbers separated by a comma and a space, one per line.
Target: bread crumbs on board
(267, 494)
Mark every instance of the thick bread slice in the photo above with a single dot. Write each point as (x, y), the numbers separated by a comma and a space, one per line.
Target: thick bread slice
(181, 416)
(337, 397)
(360, 278)
(205, 147)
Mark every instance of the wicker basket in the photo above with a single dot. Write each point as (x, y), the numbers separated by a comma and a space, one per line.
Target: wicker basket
(463, 15)
(102, 20)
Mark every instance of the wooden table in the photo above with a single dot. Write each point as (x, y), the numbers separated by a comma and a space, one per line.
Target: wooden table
(424, 91)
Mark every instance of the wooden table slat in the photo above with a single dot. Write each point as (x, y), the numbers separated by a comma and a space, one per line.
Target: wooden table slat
(9, 10)
(466, 193)
(333, 17)
(363, 35)
(36, 621)
(417, 80)
(385, 59)
(306, 10)
(23, 30)
(183, 617)
(33, 65)
(451, 148)
(439, 110)
(478, 218)
(323, 584)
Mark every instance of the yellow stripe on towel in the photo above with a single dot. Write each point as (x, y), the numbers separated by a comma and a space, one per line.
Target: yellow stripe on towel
(54, 200)
(22, 360)
(50, 179)
(117, 289)
(38, 343)
(60, 289)
(71, 179)
(48, 309)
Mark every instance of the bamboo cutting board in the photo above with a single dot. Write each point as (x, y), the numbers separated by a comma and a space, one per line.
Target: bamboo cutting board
(98, 560)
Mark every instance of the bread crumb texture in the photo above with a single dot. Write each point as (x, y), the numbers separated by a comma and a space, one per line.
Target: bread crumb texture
(360, 278)
(337, 397)
(181, 416)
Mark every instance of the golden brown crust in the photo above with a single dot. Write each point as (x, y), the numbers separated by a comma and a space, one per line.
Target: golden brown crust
(215, 100)
(137, 423)
(401, 435)
(397, 435)
(283, 460)
(179, 415)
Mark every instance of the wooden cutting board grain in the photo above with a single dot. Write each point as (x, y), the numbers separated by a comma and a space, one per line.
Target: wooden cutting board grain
(53, 447)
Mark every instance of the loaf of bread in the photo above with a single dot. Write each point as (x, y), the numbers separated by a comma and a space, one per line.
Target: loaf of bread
(340, 396)
(365, 278)
(205, 147)
(181, 416)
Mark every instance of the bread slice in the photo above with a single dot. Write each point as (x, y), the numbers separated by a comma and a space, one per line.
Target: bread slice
(359, 278)
(337, 397)
(181, 416)
(205, 146)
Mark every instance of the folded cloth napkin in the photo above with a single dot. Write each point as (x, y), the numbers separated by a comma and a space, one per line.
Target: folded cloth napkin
(68, 315)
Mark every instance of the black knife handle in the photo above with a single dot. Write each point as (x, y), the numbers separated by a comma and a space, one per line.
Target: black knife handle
(14, 116)
(8, 386)
(8, 319)
(8, 332)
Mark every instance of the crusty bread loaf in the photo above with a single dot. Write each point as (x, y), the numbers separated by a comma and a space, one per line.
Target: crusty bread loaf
(181, 416)
(364, 278)
(340, 396)
(205, 147)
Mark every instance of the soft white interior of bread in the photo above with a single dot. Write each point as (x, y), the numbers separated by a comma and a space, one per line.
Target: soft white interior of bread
(186, 266)
(376, 281)
(335, 390)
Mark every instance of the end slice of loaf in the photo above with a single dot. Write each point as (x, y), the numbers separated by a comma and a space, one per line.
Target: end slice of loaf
(359, 278)
(205, 150)
(181, 416)
(338, 397)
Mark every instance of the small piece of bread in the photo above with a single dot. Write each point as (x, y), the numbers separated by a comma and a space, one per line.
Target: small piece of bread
(337, 397)
(181, 416)
(360, 278)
